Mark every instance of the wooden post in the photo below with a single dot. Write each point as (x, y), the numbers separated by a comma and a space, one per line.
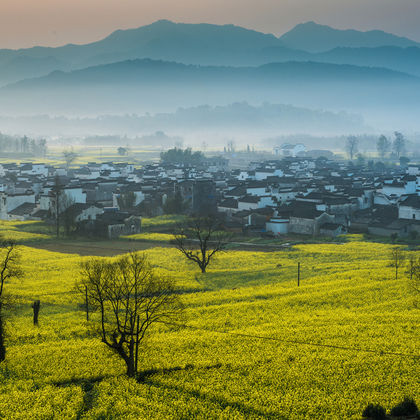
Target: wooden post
(87, 303)
(298, 274)
(35, 306)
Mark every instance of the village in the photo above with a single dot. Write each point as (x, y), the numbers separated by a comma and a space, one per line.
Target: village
(288, 194)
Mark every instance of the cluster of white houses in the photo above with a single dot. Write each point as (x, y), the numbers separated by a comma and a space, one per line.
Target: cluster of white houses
(322, 197)
(288, 195)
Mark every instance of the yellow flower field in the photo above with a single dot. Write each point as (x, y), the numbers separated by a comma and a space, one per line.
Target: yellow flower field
(23, 231)
(256, 345)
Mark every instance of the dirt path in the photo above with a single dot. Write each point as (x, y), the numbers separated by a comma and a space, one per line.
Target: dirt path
(111, 248)
(96, 248)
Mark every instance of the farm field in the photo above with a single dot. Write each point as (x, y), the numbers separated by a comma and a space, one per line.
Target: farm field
(86, 154)
(252, 344)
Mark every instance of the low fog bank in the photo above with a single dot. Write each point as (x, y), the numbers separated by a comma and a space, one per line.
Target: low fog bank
(208, 127)
(237, 118)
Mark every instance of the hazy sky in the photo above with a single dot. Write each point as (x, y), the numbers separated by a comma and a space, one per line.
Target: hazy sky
(24, 23)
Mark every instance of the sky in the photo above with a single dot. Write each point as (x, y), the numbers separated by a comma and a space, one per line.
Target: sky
(25, 23)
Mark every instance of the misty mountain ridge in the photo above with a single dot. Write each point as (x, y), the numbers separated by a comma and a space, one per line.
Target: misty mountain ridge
(207, 44)
(132, 71)
(140, 86)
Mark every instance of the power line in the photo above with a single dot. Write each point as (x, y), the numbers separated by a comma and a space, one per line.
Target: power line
(298, 342)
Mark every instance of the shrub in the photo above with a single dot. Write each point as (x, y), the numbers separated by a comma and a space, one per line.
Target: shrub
(374, 412)
(407, 407)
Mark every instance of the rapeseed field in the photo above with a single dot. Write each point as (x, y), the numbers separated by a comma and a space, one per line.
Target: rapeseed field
(252, 344)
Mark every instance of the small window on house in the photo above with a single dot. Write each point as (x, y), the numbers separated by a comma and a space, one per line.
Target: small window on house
(414, 215)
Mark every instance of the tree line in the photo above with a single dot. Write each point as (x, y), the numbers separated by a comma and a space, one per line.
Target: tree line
(23, 144)
(182, 156)
(385, 147)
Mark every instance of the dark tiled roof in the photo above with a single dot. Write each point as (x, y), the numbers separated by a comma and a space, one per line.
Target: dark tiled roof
(229, 203)
(24, 209)
(249, 199)
(411, 201)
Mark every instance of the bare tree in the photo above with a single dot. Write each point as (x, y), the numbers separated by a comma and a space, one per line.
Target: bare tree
(399, 144)
(68, 215)
(413, 272)
(397, 259)
(127, 200)
(383, 146)
(200, 240)
(69, 156)
(9, 268)
(352, 143)
(129, 298)
(122, 151)
(57, 191)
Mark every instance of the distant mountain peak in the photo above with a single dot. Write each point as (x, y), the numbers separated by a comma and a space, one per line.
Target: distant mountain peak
(314, 37)
(163, 22)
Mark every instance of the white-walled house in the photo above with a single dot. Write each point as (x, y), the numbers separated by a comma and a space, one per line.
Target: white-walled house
(246, 175)
(264, 173)
(399, 188)
(292, 150)
(67, 197)
(9, 202)
(283, 194)
(85, 211)
(258, 190)
(34, 169)
(413, 170)
(75, 194)
(409, 208)
(252, 202)
(277, 225)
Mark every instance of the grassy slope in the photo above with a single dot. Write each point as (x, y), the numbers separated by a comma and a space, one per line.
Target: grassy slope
(348, 298)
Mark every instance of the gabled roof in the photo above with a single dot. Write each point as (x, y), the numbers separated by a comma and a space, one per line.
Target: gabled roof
(253, 199)
(24, 209)
(300, 210)
(229, 203)
(237, 191)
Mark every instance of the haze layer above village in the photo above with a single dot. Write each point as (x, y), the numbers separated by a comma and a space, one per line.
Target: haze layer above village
(210, 82)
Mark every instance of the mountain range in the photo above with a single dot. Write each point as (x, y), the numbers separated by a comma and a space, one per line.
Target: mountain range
(218, 45)
(150, 86)
(163, 66)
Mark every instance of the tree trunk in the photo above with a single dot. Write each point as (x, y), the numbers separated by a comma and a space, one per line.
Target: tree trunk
(131, 371)
(2, 346)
